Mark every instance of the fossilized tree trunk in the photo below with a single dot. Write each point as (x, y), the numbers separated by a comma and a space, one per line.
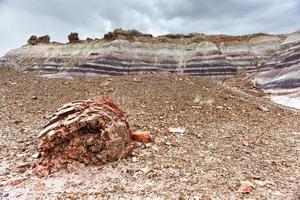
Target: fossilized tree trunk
(91, 131)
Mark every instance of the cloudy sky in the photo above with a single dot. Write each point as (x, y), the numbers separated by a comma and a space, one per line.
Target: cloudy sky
(92, 18)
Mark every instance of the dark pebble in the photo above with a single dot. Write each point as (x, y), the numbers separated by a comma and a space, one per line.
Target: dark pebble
(5, 195)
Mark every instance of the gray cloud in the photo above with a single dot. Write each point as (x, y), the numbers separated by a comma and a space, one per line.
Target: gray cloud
(92, 18)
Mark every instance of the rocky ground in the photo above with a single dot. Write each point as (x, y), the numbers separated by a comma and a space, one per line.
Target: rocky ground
(228, 136)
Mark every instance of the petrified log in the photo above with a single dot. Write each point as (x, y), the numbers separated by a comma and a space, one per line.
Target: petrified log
(91, 131)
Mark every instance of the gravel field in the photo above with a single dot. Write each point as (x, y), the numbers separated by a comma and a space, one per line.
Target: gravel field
(229, 137)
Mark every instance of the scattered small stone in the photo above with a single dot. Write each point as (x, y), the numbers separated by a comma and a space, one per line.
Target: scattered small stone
(134, 159)
(198, 107)
(263, 183)
(24, 165)
(174, 172)
(263, 109)
(184, 180)
(75, 167)
(232, 97)
(154, 148)
(148, 145)
(159, 140)
(36, 155)
(197, 99)
(16, 182)
(245, 143)
(105, 83)
(277, 193)
(137, 80)
(39, 186)
(5, 195)
(145, 170)
(179, 130)
(20, 141)
(42, 171)
(260, 183)
(208, 102)
(246, 187)
(141, 136)
(2, 183)
(181, 197)
(13, 83)
(18, 121)
(255, 177)
(196, 198)
(34, 97)
(20, 155)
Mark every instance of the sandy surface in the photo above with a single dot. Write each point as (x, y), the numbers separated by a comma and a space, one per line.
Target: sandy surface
(229, 137)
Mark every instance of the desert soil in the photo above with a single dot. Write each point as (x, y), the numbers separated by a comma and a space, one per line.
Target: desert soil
(229, 137)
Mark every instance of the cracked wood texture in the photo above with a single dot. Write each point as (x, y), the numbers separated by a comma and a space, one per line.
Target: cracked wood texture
(93, 131)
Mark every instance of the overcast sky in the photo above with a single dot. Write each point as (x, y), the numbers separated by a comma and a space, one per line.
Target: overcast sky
(92, 18)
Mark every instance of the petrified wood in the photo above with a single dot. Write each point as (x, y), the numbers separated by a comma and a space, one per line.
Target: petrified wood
(91, 131)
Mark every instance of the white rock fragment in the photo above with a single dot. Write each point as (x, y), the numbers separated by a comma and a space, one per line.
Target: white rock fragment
(20, 155)
(263, 109)
(134, 159)
(145, 170)
(35, 155)
(179, 130)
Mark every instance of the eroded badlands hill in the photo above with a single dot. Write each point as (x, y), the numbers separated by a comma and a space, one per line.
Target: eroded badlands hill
(281, 76)
(127, 52)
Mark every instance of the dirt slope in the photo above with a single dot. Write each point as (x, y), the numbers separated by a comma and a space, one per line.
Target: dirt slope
(230, 137)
